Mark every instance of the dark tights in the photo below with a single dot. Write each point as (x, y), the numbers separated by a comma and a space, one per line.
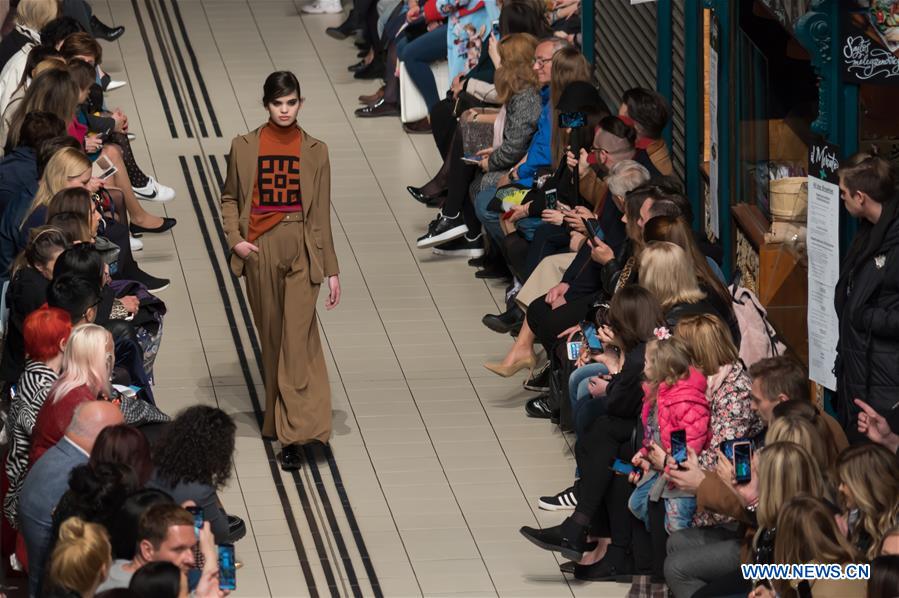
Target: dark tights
(461, 176)
(135, 174)
(649, 545)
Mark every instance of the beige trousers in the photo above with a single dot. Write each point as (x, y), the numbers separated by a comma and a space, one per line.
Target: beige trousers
(297, 394)
(545, 276)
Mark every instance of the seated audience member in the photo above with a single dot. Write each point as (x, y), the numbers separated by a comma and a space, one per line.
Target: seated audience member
(884, 577)
(31, 276)
(648, 112)
(80, 561)
(18, 169)
(31, 17)
(46, 334)
(86, 369)
(868, 478)
(193, 462)
(159, 579)
(48, 479)
(125, 445)
(127, 518)
(807, 532)
(779, 379)
(866, 293)
(76, 296)
(165, 533)
(81, 11)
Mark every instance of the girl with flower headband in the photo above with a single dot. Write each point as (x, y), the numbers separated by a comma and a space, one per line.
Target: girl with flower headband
(674, 400)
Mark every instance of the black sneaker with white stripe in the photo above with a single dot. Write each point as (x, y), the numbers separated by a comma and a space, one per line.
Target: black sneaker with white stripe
(442, 229)
(566, 500)
(462, 247)
(539, 380)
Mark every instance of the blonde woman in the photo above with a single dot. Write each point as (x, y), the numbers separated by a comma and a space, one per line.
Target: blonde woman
(31, 16)
(81, 559)
(668, 273)
(86, 370)
(807, 532)
(868, 478)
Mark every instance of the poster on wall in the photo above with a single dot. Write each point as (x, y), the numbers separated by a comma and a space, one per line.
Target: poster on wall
(823, 242)
(713, 216)
(869, 47)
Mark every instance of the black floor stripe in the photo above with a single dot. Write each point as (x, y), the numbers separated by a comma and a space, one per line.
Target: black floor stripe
(176, 49)
(166, 61)
(323, 556)
(354, 526)
(309, 453)
(196, 66)
(341, 490)
(154, 70)
(248, 378)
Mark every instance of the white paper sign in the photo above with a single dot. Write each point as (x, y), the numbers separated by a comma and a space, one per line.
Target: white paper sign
(823, 272)
(713, 142)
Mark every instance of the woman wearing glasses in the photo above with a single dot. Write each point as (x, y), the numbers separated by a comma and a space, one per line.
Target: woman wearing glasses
(276, 210)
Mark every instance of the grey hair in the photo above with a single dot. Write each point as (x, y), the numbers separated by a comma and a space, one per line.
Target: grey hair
(626, 176)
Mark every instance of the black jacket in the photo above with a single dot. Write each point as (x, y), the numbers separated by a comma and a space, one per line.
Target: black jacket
(27, 292)
(867, 304)
(624, 394)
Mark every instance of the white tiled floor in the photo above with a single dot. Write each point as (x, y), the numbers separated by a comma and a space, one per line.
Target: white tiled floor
(440, 465)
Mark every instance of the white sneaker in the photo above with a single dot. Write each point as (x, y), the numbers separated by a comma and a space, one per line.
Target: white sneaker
(136, 244)
(131, 136)
(153, 191)
(113, 84)
(323, 7)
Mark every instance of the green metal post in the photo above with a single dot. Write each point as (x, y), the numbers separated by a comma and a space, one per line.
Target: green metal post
(588, 30)
(693, 100)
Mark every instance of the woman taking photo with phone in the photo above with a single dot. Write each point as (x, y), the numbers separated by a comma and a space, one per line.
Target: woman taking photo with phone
(276, 210)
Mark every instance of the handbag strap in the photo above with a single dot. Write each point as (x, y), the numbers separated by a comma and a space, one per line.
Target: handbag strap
(625, 273)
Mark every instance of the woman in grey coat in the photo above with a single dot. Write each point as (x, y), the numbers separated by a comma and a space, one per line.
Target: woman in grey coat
(515, 123)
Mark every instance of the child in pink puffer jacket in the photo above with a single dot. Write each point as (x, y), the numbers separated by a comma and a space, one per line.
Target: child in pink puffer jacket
(674, 400)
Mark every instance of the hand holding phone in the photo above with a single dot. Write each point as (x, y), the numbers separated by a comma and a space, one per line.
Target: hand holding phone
(551, 196)
(679, 446)
(742, 462)
(623, 468)
(227, 567)
(591, 338)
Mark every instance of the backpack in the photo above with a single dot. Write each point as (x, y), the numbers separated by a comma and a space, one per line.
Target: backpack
(758, 338)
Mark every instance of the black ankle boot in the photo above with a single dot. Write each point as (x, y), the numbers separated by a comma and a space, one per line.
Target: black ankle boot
(506, 321)
(569, 538)
(616, 565)
(104, 31)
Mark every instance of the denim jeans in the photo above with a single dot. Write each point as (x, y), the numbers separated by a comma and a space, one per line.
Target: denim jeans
(584, 408)
(418, 55)
(678, 511)
(528, 226)
(488, 218)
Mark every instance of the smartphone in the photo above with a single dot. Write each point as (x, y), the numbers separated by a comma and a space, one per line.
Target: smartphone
(623, 467)
(727, 447)
(742, 462)
(496, 29)
(199, 518)
(572, 120)
(574, 350)
(227, 567)
(679, 445)
(552, 199)
(471, 159)
(590, 337)
(103, 168)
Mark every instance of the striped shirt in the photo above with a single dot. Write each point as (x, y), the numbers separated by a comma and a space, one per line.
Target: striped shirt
(33, 386)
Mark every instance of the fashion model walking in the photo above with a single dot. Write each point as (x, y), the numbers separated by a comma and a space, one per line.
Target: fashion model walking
(276, 212)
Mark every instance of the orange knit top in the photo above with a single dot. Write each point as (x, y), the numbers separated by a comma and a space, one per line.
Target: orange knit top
(276, 190)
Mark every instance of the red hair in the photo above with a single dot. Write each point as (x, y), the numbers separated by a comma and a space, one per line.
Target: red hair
(44, 329)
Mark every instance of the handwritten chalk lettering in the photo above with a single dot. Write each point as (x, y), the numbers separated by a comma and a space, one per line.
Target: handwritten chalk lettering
(825, 157)
(866, 62)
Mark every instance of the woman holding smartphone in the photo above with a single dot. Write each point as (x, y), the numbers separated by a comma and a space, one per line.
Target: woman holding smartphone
(276, 211)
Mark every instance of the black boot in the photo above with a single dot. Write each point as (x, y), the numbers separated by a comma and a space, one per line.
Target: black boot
(104, 31)
(373, 70)
(506, 321)
(569, 538)
(345, 29)
(616, 565)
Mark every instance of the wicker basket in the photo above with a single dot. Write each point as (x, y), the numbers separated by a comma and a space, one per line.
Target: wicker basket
(789, 199)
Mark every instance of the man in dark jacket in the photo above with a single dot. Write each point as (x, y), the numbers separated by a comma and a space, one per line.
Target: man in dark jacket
(867, 293)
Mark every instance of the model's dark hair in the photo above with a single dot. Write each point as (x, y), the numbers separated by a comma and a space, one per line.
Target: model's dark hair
(58, 29)
(280, 84)
(127, 519)
(197, 447)
(81, 260)
(648, 109)
(126, 445)
(157, 579)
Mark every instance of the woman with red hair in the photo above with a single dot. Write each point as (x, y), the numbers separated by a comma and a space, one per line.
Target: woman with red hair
(45, 332)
